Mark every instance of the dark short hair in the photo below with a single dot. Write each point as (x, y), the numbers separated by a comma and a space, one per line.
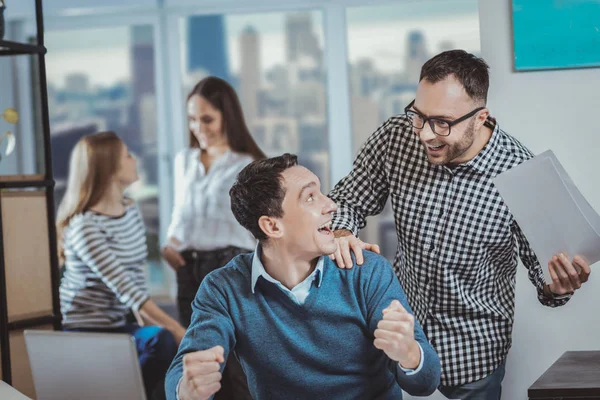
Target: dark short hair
(258, 191)
(471, 71)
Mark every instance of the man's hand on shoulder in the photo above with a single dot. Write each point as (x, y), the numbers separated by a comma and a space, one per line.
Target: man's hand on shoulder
(347, 242)
(395, 336)
(201, 374)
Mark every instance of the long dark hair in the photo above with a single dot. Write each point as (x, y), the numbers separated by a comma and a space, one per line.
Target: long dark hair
(223, 97)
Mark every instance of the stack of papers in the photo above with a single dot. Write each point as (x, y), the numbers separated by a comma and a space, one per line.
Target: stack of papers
(550, 210)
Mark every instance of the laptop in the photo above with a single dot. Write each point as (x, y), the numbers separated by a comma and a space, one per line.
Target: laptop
(74, 366)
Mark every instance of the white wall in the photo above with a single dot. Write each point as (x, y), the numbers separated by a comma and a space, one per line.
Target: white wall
(555, 110)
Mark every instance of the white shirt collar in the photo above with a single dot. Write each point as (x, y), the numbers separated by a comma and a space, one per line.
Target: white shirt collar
(258, 270)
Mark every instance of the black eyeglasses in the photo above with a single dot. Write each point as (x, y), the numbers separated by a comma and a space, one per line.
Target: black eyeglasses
(440, 127)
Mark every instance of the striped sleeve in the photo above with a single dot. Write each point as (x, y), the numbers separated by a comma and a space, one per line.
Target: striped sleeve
(90, 243)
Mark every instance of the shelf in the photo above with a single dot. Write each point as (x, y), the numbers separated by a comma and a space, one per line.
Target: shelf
(25, 181)
(8, 48)
(33, 322)
(22, 177)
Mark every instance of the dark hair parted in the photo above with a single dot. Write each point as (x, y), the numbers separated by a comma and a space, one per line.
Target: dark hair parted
(258, 191)
(471, 71)
(222, 96)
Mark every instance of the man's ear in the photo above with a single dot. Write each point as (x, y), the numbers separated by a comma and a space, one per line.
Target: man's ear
(271, 227)
(481, 117)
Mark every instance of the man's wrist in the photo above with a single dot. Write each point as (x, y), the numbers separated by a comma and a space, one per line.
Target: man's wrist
(179, 391)
(341, 233)
(548, 293)
(414, 357)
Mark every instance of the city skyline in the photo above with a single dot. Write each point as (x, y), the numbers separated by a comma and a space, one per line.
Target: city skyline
(367, 38)
(300, 82)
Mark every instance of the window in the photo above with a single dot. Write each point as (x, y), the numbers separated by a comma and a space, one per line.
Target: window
(275, 63)
(104, 79)
(387, 45)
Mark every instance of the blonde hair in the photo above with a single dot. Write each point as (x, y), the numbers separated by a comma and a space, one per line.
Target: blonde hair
(95, 159)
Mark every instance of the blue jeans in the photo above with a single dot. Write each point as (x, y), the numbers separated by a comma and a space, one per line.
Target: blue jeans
(156, 349)
(488, 388)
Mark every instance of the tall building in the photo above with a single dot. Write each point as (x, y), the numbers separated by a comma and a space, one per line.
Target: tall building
(77, 83)
(149, 137)
(318, 163)
(147, 112)
(446, 45)
(308, 99)
(300, 38)
(207, 45)
(393, 103)
(142, 61)
(276, 135)
(365, 120)
(275, 99)
(416, 55)
(312, 135)
(142, 83)
(250, 72)
(364, 78)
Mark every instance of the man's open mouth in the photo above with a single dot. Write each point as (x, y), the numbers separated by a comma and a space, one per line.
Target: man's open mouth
(325, 229)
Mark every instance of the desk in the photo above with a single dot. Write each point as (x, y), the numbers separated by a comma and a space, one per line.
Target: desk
(575, 375)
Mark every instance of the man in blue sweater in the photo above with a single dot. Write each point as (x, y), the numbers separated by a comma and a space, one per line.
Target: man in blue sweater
(301, 327)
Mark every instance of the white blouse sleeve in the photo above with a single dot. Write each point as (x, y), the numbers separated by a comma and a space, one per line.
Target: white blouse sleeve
(179, 190)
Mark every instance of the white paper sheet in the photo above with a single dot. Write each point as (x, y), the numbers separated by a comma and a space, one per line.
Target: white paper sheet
(551, 211)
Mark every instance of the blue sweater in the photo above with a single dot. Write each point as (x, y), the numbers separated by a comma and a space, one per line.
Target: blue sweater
(322, 349)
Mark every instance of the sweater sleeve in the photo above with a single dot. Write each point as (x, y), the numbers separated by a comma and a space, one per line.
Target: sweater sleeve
(211, 326)
(90, 243)
(381, 287)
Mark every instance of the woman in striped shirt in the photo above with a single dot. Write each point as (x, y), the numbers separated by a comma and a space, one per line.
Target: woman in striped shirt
(102, 242)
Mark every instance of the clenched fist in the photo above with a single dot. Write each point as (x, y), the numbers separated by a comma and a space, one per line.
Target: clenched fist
(201, 374)
(395, 335)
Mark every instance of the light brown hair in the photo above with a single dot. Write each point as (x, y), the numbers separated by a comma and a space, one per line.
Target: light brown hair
(95, 159)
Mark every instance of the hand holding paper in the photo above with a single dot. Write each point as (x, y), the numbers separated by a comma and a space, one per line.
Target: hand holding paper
(555, 218)
(567, 276)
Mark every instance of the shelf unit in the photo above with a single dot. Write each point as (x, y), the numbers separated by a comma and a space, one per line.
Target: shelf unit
(29, 270)
(8, 48)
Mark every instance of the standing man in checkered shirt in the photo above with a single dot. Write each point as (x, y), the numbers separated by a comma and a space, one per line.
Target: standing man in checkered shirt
(457, 241)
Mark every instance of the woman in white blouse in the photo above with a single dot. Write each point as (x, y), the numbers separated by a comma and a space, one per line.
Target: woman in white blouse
(203, 234)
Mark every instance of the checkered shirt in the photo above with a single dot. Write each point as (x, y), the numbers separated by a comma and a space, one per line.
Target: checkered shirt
(457, 242)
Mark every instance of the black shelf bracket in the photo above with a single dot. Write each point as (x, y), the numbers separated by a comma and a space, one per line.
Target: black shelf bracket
(10, 48)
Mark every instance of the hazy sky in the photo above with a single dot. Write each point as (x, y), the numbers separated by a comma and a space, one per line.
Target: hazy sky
(378, 33)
